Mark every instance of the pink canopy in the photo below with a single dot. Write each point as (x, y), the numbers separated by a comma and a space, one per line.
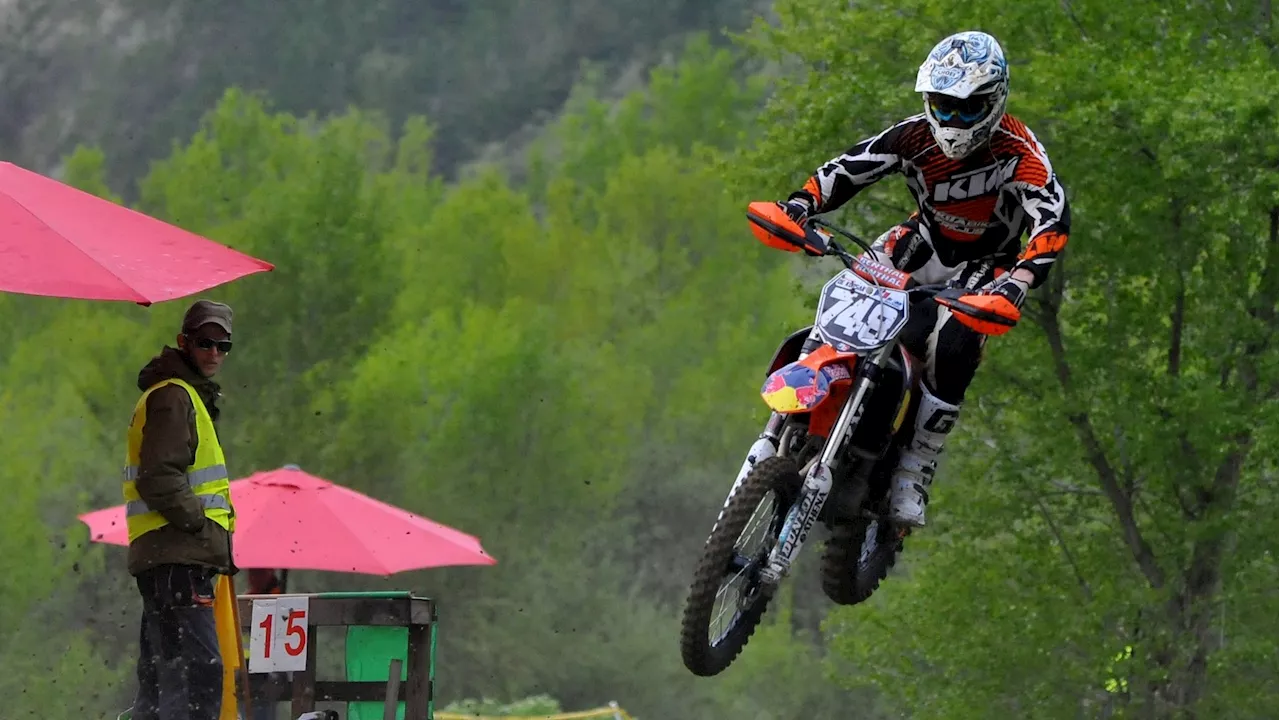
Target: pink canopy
(289, 519)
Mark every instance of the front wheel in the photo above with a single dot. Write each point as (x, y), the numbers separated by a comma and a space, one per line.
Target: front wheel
(719, 620)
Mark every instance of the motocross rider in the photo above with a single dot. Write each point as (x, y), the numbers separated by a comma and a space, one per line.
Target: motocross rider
(980, 178)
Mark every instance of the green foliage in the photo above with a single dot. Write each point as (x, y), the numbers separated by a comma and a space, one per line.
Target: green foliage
(86, 170)
(533, 402)
(551, 367)
(698, 103)
(326, 201)
(135, 76)
(1114, 479)
(563, 358)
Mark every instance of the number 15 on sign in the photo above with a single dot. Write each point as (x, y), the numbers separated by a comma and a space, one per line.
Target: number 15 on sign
(279, 635)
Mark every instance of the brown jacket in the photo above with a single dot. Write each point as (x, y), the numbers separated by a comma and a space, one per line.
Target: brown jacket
(169, 443)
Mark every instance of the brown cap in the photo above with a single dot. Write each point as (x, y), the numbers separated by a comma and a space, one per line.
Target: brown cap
(207, 311)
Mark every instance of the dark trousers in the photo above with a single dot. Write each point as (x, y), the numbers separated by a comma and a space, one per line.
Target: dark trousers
(951, 352)
(179, 667)
(263, 710)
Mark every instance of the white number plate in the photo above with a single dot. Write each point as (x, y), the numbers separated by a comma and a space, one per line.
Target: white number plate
(854, 315)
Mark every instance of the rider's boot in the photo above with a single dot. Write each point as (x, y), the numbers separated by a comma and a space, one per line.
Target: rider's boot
(909, 487)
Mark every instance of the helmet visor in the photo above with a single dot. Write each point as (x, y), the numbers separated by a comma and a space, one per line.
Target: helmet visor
(959, 112)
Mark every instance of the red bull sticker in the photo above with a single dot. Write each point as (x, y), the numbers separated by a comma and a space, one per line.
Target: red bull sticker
(795, 388)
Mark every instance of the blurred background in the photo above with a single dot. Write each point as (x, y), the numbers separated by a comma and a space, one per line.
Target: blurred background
(515, 292)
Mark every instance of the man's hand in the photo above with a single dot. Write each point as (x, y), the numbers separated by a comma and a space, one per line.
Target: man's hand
(797, 208)
(1013, 287)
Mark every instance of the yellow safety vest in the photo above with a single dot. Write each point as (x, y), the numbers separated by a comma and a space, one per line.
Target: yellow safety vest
(207, 476)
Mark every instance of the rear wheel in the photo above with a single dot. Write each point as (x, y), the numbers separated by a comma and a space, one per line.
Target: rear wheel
(726, 599)
(858, 556)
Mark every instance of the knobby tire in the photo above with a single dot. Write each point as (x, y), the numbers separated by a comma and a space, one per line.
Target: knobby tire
(846, 580)
(775, 474)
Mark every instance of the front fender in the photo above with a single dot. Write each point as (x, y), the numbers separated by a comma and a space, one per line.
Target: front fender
(798, 387)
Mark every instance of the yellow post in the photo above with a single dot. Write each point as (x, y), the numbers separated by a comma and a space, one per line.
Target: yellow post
(226, 614)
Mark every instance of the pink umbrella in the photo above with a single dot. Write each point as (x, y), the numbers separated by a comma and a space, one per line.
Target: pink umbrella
(59, 241)
(289, 519)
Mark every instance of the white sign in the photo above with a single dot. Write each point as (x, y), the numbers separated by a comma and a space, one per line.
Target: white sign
(279, 634)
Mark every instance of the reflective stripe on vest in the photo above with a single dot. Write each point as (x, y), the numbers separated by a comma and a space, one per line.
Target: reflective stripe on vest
(208, 502)
(207, 476)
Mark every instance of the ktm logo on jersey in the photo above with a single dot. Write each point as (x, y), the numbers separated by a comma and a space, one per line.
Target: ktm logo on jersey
(975, 183)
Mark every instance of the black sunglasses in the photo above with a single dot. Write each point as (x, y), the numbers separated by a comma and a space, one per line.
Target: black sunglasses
(204, 343)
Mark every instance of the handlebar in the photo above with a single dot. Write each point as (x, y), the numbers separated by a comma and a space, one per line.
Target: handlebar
(771, 227)
(927, 290)
(913, 288)
(841, 252)
(981, 312)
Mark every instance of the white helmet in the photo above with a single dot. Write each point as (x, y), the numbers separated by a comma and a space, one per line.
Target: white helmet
(965, 82)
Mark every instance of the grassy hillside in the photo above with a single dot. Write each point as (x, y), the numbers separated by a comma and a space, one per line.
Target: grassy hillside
(134, 76)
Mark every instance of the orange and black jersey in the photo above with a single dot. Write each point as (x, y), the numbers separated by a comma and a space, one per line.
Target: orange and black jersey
(969, 208)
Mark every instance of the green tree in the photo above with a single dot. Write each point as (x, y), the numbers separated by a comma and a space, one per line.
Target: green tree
(565, 367)
(1123, 436)
(136, 76)
(552, 404)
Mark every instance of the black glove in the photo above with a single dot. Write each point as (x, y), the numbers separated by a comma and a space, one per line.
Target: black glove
(798, 207)
(1015, 291)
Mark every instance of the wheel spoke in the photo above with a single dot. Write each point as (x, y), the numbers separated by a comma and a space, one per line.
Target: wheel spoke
(741, 566)
(869, 542)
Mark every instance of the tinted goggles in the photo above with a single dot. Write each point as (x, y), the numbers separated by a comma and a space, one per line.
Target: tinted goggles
(966, 111)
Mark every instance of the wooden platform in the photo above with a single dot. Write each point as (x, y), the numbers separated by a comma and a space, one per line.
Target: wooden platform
(345, 609)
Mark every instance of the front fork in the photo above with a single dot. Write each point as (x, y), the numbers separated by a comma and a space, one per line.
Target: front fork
(819, 480)
(766, 446)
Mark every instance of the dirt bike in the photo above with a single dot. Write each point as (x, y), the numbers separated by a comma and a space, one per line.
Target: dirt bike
(829, 447)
